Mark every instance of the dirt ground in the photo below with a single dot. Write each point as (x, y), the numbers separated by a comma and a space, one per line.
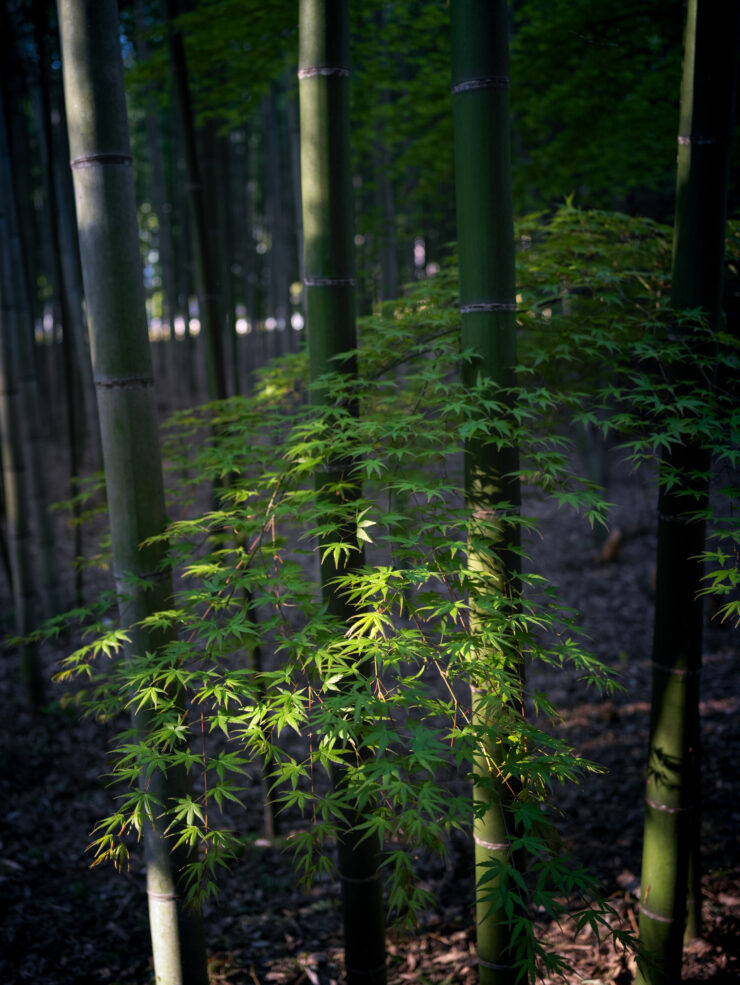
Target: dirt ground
(62, 922)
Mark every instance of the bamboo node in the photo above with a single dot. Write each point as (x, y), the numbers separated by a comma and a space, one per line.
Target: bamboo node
(656, 805)
(494, 967)
(162, 897)
(157, 575)
(314, 70)
(359, 880)
(494, 82)
(655, 916)
(93, 160)
(699, 140)
(675, 518)
(676, 671)
(466, 309)
(492, 846)
(367, 972)
(124, 382)
(484, 514)
(330, 281)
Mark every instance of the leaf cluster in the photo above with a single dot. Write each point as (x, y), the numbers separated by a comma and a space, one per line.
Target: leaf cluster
(380, 695)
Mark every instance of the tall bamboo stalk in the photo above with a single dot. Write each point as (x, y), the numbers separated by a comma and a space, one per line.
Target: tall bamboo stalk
(209, 302)
(226, 254)
(480, 88)
(330, 287)
(13, 428)
(111, 264)
(294, 145)
(73, 384)
(21, 300)
(245, 248)
(15, 83)
(384, 195)
(72, 273)
(670, 902)
(277, 211)
(163, 209)
(15, 483)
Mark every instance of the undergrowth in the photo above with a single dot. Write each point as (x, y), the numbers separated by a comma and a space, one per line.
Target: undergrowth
(389, 694)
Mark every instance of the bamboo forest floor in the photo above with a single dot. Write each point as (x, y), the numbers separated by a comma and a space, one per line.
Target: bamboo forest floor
(62, 922)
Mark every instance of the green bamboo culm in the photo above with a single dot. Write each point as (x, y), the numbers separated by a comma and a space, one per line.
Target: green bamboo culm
(13, 429)
(109, 251)
(480, 100)
(209, 299)
(18, 296)
(670, 901)
(72, 391)
(330, 307)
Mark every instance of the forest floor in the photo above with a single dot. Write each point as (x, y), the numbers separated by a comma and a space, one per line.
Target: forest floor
(63, 922)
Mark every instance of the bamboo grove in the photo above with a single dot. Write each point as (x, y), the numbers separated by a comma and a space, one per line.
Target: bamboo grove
(324, 567)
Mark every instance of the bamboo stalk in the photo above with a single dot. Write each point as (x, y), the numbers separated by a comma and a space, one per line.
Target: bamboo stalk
(480, 100)
(670, 903)
(13, 436)
(163, 209)
(330, 307)
(111, 264)
(21, 301)
(209, 300)
(73, 392)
